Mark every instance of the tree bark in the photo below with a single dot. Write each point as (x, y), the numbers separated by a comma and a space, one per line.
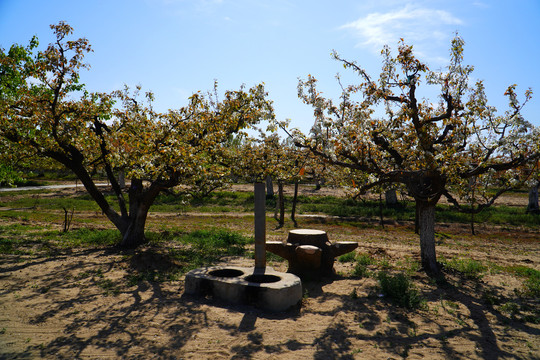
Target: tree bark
(134, 234)
(140, 201)
(269, 187)
(281, 203)
(381, 218)
(295, 198)
(416, 217)
(391, 197)
(533, 207)
(121, 178)
(426, 220)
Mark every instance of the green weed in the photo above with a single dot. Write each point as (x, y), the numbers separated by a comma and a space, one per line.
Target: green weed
(400, 289)
(361, 271)
(348, 257)
(365, 259)
(108, 286)
(385, 264)
(470, 268)
(361, 267)
(218, 241)
(205, 247)
(510, 308)
(84, 237)
(531, 284)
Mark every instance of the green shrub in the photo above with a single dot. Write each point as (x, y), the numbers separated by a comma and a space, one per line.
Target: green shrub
(207, 246)
(361, 270)
(531, 284)
(9, 177)
(470, 268)
(220, 241)
(85, 237)
(400, 289)
(532, 287)
(365, 259)
(348, 257)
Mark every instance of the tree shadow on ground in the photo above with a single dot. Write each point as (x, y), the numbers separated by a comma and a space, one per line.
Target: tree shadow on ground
(141, 317)
(400, 335)
(120, 322)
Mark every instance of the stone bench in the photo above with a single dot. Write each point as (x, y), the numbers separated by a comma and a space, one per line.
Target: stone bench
(309, 252)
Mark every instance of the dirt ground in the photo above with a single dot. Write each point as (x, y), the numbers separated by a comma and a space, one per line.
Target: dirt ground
(82, 304)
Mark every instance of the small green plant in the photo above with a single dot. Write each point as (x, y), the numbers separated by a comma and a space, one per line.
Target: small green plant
(361, 270)
(400, 289)
(306, 295)
(532, 287)
(470, 268)
(348, 257)
(361, 266)
(490, 297)
(385, 264)
(365, 259)
(218, 241)
(510, 308)
(531, 284)
(84, 237)
(108, 286)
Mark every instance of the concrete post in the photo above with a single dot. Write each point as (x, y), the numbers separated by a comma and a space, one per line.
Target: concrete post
(260, 226)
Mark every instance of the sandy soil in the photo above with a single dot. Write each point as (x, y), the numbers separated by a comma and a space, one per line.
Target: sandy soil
(84, 304)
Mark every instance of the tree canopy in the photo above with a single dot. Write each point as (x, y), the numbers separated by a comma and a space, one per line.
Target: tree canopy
(46, 110)
(386, 134)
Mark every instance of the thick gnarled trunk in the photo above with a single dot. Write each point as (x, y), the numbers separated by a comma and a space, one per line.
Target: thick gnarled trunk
(426, 222)
(140, 201)
(131, 224)
(134, 236)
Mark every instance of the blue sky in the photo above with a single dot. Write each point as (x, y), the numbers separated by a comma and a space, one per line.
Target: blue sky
(176, 47)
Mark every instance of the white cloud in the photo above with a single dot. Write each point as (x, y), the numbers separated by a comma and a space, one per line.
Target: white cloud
(422, 27)
(481, 5)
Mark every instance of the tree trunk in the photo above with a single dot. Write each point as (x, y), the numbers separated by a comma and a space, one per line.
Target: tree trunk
(295, 198)
(139, 204)
(269, 187)
(130, 224)
(391, 198)
(416, 217)
(121, 178)
(472, 184)
(381, 218)
(317, 184)
(281, 203)
(533, 200)
(426, 220)
(134, 234)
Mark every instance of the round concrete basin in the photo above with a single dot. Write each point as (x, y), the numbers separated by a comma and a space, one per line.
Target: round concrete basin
(262, 278)
(270, 290)
(227, 273)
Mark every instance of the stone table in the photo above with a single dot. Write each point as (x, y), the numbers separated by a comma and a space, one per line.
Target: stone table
(309, 252)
